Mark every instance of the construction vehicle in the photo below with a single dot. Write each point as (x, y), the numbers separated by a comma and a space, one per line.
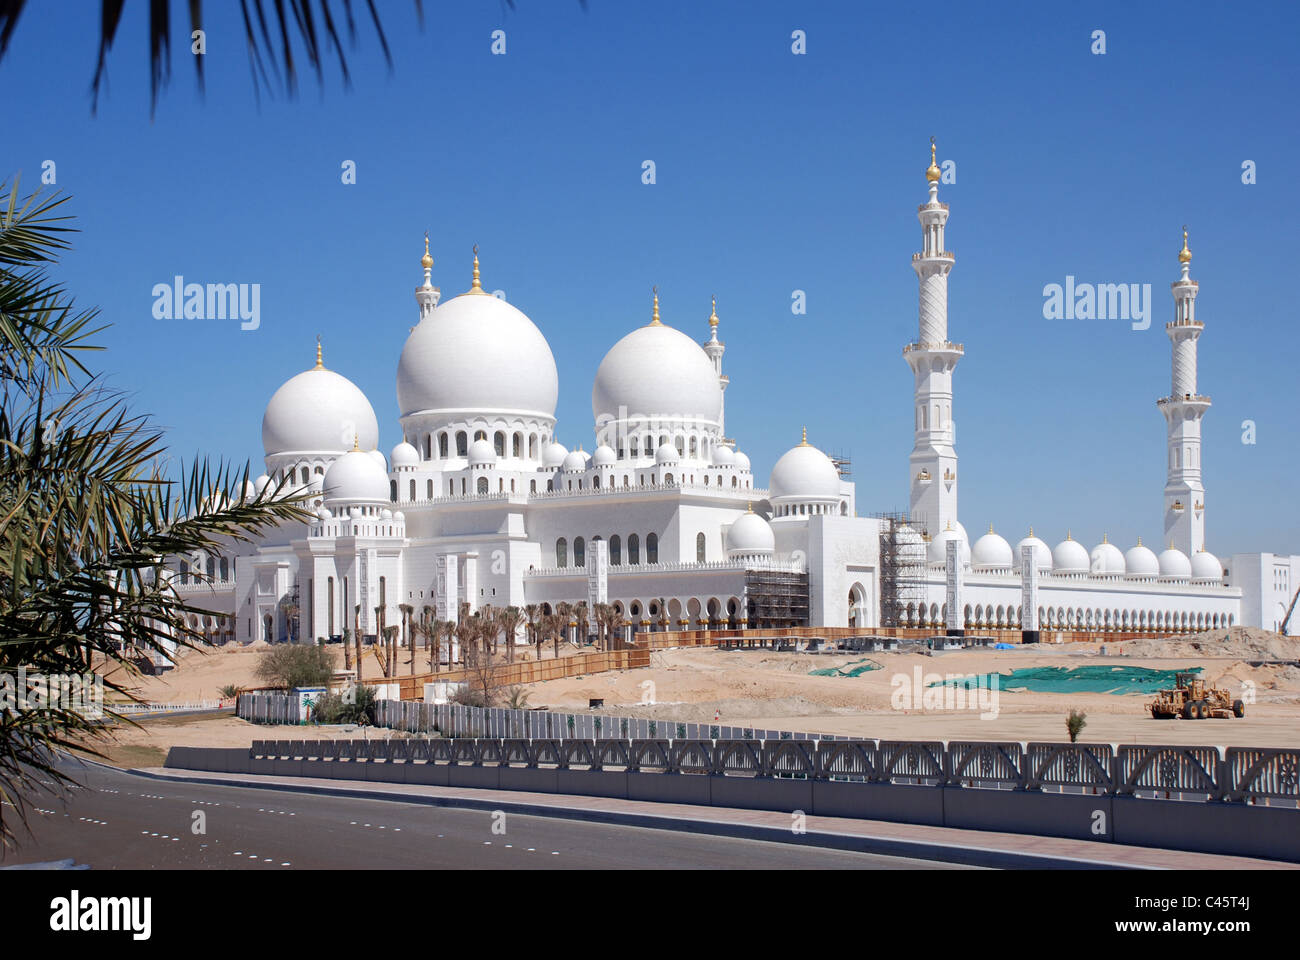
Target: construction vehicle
(1191, 699)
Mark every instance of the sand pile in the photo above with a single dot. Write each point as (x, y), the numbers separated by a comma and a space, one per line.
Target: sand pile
(1245, 643)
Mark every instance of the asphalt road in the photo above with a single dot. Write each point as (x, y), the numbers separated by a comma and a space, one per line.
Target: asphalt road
(118, 820)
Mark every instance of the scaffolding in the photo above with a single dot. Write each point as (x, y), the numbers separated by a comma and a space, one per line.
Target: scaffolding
(776, 598)
(843, 464)
(902, 568)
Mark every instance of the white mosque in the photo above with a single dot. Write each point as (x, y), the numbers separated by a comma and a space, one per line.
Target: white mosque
(481, 504)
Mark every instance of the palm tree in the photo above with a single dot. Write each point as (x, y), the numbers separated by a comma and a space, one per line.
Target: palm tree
(532, 611)
(407, 635)
(347, 649)
(90, 513)
(511, 619)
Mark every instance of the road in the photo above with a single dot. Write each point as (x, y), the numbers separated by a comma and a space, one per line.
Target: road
(120, 820)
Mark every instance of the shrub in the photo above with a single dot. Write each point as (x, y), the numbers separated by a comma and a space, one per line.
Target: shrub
(1075, 723)
(296, 665)
(229, 691)
(333, 708)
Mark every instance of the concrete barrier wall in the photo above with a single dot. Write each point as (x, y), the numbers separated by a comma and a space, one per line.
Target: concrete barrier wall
(1241, 829)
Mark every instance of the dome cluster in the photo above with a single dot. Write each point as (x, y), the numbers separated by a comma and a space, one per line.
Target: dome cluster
(992, 554)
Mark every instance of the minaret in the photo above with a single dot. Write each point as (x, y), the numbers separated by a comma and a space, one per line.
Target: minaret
(427, 294)
(715, 348)
(932, 358)
(1183, 409)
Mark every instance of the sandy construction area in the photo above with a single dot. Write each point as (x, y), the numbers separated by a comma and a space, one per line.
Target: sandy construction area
(776, 691)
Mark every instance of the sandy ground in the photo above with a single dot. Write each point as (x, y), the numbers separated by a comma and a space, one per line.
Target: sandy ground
(775, 691)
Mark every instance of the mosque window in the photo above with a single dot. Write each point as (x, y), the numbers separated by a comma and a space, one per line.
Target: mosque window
(615, 551)
(451, 488)
(550, 485)
(501, 484)
(652, 548)
(561, 552)
(633, 549)
(462, 444)
(442, 446)
(482, 485)
(462, 486)
(706, 479)
(412, 491)
(428, 446)
(734, 481)
(695, 445)
(719, 479)
(595, 482)
(185, 572)
(680, 444)
(634, 447)
(699, 548)
(532, 486)
(532, 446)
(320, 471)
(626, 480)
(306, 475)
(225, 569)
(499, 443)
(512, 484)
(579, 552)
(212, 567)
(668, 479)
(429, 493)
(518, 445)
(392, 490)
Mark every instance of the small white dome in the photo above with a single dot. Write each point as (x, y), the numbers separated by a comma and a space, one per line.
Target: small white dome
(939, 545)
(404, 455)
(250, 490)
(399, 516)
(554, 454)
(1175, 565)
(385, 514)
(1106, 560)
(750, 535)
(742, 461)
(318, 411)
(806, 473)
(1070, 556)
(1206, 567)
(261, 483)
(723, 456)
(575, 462)
(991, 550)
(354, 513)
(323, 513)
(1141, 562)
(356, 476)
(482, 453)
(604, 456)
(667, 453)
(1042, 553)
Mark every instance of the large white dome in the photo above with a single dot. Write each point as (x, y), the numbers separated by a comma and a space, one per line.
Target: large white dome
(477, 353)
(806, 473)
(656, 372)
(1042, 552)
(1175, 565)
(356, 476)
(318, 411)
(938, 551)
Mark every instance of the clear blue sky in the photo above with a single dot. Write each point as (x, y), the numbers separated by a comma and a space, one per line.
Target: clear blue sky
(775, 172)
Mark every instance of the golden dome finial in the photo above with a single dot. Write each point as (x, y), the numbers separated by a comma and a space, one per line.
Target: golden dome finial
(804, 441)
(990, 526)
(1069, 534)
(426, 261)
(1184, 255)
(320, 365)
(356, 443)
(713, 315)
(749, 508)
(476, 286)
(1139, 541)
(654, 316)
(1031, 529)
(933, 173)
(1105, 538)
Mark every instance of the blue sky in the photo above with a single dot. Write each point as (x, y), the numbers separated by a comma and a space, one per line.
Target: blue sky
(775, 173)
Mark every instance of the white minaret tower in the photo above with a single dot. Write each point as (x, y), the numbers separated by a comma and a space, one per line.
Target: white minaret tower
(1183, 409)
(715, 348)
(932, 358)
(426, 295)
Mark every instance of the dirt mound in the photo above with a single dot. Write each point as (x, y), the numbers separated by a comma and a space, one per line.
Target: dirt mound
(1243, 643)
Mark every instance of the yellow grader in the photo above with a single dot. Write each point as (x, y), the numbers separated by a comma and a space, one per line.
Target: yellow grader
(1191, 699)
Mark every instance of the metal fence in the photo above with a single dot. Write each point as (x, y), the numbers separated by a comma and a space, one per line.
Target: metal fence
(1237, 774)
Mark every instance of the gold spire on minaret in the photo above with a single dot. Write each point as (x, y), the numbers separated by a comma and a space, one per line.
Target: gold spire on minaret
(476, 287)
(426, 261)
(1184, 255)
(933, 173)
(713, 316)
(654, 317)
(319, 363)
